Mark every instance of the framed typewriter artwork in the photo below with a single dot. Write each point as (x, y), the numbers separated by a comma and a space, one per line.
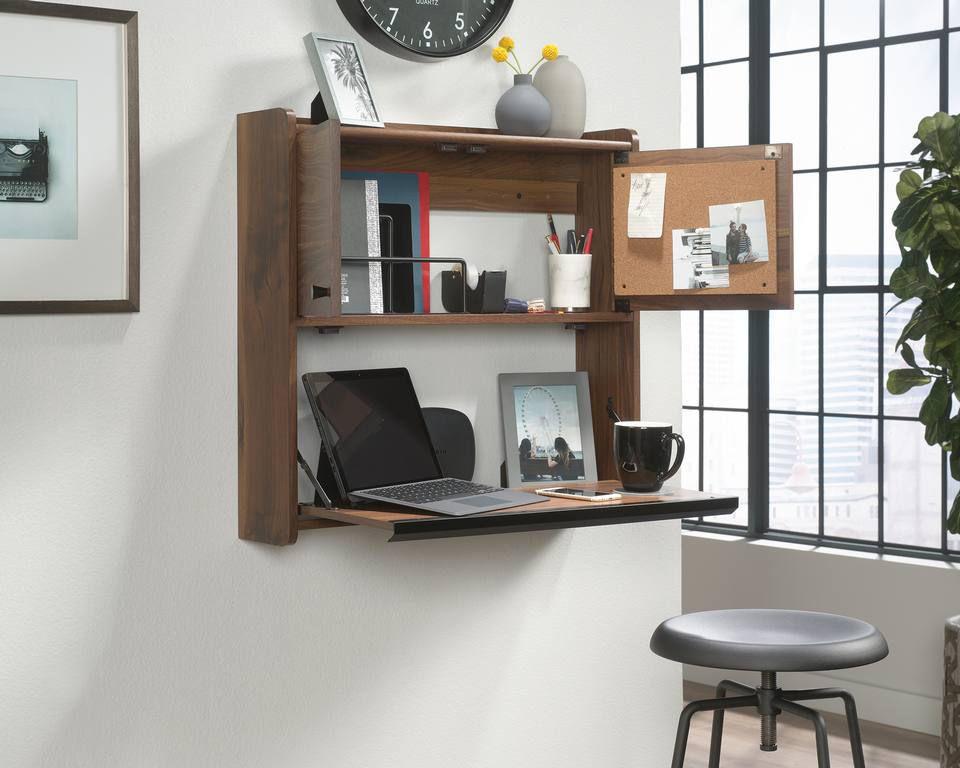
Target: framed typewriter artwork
(69, 159)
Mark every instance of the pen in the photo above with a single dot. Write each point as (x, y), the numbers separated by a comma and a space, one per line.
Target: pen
(553, 231)
(580, 243)
(589, 241)
(571, 241)
(551, 245)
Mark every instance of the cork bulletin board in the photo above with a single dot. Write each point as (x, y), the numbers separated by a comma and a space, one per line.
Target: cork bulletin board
(643, 267)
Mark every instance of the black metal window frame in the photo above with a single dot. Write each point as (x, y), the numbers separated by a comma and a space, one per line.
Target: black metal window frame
(758, 408)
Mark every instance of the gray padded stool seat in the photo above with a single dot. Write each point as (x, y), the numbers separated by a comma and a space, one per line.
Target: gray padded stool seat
(768, 641)
(765, 640)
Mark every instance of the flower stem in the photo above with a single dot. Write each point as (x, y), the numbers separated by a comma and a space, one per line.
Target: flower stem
(518, 67)
(541, 60)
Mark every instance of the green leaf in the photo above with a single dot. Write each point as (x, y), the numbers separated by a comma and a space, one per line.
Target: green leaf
(937, 405)
(955, 464)
(909, 183)
(909, 211)
(937, 432)
(938, 134)
(946, 220)
(953, 521)
(911, 282)
(904, 379)
(906, 352)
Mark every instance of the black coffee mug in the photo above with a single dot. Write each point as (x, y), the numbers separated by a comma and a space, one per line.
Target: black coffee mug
(642, 450)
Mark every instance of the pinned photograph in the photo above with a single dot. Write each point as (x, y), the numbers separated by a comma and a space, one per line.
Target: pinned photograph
(739, 232)
(696, 264)
(343, 82)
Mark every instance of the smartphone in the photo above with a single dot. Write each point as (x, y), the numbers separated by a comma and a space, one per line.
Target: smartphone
(580, 494)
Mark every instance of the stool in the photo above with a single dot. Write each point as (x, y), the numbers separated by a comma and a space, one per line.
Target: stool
(768, 641)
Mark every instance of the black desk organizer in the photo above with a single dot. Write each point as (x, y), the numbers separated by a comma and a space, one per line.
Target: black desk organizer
(487, 298)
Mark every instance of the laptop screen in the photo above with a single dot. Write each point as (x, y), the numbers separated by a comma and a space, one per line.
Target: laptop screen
(373, 427)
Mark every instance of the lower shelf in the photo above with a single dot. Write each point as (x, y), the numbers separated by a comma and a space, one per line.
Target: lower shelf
(549, 514)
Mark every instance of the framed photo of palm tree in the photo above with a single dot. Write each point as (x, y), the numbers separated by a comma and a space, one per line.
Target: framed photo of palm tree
(343, 82)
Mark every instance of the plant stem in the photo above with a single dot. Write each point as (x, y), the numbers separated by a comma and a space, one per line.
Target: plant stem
(514, 54)
(535, 65)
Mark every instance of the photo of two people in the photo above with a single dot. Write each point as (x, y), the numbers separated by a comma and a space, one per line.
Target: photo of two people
(548, 428)
(738, 233)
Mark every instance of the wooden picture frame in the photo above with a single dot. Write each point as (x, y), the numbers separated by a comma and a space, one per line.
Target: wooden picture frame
(127, 165)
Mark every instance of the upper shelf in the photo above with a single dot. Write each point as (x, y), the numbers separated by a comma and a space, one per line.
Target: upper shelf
(466, 318)
(549, 514)
(478, 140)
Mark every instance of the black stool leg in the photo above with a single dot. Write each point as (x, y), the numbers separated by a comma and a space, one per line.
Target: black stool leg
(707, 705)
(716, 733)
(819, 725)
(853, 722)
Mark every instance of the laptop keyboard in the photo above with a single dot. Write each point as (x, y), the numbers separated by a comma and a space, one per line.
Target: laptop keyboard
(432, 490)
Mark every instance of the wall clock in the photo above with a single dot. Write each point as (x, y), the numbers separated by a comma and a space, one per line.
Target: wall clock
(426, 30)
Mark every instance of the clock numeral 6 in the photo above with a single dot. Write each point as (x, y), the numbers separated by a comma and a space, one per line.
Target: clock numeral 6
(427, 32)
(460, 23)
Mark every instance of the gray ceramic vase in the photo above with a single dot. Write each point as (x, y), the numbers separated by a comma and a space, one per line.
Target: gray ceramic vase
(523, 110)
(562, 83)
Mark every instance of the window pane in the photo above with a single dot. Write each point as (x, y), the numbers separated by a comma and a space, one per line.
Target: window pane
(688, 110)
(853, 107)
(726, 101)
(852, 209)
(911, 486)
(690, 356)
(689, 32)
(954, 82)
(850, 478)
(846, 20)
(891, 250)
(953, 487)
(794, 24)
(725, 459)
(955, 13)
(726, 29)
(912, 91)
(901, 17)
(795, 106)
(690, 469)
(907, 404)
(794, 474)
(725, 359)
(850, 353)
(806, 231)
(794, 359)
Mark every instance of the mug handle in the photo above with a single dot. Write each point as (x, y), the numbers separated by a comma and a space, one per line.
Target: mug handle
(677, 461)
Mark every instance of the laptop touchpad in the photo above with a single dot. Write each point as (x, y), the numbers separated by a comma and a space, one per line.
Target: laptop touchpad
(480, 501)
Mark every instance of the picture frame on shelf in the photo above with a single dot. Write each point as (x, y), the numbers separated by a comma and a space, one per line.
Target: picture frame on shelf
(69, 159)
(547, 428)
(343, 81)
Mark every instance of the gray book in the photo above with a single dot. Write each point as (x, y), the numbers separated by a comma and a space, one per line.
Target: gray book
(361, 283)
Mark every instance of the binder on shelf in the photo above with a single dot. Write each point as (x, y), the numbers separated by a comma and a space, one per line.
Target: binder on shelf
(361, 284)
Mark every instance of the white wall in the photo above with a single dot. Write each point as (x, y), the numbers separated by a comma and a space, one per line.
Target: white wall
(907, 600)
(137, 630)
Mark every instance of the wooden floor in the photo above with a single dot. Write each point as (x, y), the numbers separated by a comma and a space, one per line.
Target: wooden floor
(884, 747)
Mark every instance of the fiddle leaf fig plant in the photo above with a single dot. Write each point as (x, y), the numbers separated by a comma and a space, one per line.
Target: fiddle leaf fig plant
(928, 233)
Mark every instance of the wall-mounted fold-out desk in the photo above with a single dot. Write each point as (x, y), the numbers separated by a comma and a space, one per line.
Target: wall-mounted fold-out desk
(289, 275)
(408, 525)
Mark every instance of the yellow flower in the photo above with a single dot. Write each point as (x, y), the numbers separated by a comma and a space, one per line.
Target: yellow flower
(550, 52)
(500, 54)
(507, 42)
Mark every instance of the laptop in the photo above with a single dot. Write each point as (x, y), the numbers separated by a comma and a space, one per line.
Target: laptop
(379, 448)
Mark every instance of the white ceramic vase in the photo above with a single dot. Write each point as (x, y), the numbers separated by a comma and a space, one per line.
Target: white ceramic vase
(561, 81)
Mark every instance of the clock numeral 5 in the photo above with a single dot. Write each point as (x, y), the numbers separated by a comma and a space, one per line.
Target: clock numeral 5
(460, 23)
